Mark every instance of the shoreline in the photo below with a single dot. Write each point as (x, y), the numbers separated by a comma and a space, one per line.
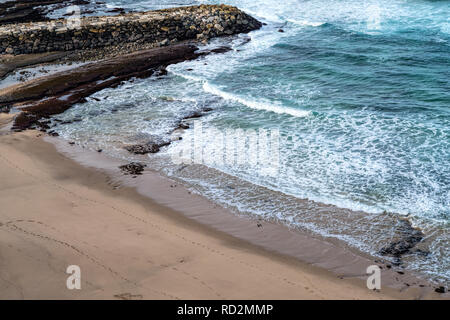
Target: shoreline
(57, 171)
(332, 255)
(323, 268)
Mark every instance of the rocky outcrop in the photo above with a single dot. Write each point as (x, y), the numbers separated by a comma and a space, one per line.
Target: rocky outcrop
(407, 239)
(150, 147)
(133, 168)
(56, 93)
(19, 11)
(162, 27)
(11, 63)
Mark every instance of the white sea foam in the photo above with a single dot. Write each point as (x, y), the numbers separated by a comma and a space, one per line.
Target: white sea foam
(305, 23)
(359, 159)
(255, 104)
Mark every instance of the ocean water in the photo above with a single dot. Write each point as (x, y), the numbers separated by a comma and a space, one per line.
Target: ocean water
(359, 94)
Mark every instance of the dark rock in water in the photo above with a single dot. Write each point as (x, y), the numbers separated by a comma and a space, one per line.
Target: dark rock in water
(42, 125)
(151, 147)
(117, 10)
(409, 238)
(53, 133)
(193, 115)
(143, 149)
(397, 263)
(440, 290)
(162, 71)
(183, 126)
(245, 41)
(4, 109)
(222, 49)
(20, 11)
(421, 252)
(280, 30)
(133, 168)
(207, 109)
(24, 121)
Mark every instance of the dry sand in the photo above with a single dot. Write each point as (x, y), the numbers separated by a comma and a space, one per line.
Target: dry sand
(55, 213)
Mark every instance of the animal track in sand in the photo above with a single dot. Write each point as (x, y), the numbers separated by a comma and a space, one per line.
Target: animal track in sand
(128, 296)
(195, 278)
(12, 225)
(317, 292)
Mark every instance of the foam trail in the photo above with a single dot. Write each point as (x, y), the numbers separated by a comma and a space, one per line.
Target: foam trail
(255, 104)
(305, 23)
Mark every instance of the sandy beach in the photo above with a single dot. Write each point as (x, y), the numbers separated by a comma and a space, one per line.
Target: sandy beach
(56, 213)
(85, 189)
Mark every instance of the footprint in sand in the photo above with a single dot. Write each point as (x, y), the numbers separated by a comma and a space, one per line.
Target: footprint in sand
(128, 296)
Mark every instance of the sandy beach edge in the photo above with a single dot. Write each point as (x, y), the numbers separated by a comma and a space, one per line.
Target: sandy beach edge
(57, 212)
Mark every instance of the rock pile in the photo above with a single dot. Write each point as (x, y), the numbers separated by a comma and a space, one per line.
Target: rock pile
(162, 27)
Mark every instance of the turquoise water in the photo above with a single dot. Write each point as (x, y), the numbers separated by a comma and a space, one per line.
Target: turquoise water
(360, 94)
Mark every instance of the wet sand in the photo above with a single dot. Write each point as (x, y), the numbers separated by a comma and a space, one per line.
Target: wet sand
(141, 239)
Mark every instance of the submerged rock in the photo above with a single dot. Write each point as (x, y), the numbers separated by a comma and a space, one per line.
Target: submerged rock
(183, 126)
(222, 49)
(151, 147)
(409, 238)
(193, 115)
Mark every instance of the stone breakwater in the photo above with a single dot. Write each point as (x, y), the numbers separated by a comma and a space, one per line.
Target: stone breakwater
(161, 27)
